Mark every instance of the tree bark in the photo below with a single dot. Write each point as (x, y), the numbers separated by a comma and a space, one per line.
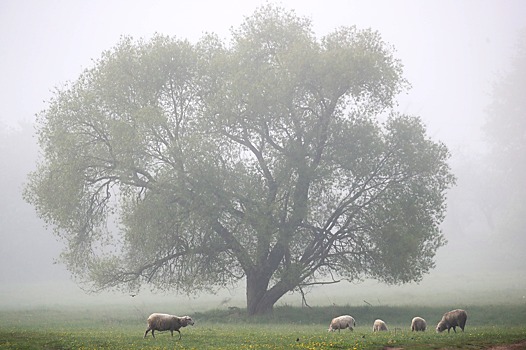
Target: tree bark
(261, 301)
(256, 288)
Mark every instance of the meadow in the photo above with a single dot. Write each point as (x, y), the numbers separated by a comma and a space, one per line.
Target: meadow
(287, 328)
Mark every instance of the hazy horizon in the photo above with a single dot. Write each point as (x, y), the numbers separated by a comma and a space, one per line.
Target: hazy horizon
(453, 53)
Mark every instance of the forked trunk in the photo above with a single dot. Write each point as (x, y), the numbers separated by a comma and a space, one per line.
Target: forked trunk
(261, 301)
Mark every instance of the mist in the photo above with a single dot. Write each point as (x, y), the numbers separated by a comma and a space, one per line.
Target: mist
(454, 52)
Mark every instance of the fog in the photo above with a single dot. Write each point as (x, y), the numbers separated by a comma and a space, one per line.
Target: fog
(453, 53)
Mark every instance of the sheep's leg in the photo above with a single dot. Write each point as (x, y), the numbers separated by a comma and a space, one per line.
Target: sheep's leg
(455, 328)
(145, 333)
(179, 334)
(153, 335)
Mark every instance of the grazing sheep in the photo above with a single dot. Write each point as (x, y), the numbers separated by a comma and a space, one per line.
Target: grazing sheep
(342, 322)
(165, 322)
(418, 324)
(379, 325)
(452, 319)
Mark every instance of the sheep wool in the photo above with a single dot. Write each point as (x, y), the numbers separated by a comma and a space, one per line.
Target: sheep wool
(165, 322)
(452, 319)
(418, 324)
(379, 325)
(342, 322)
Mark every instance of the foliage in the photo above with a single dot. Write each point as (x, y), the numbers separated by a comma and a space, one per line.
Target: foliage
(15, 142)
(84, 317)
(20, 229)
(397, 316)
(277, 158)
(505, 130)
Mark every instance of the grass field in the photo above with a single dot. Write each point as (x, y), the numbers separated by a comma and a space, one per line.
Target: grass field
(287, 328)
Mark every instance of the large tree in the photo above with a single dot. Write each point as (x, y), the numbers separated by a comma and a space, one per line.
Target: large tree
(277, 158)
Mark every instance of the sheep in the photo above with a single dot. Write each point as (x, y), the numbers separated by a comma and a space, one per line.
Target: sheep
(342, 322)
(379, 325)
(165, 322)
(418, 324)
(452, 319)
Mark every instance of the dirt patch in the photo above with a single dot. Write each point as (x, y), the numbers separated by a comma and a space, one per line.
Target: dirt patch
(516, 346)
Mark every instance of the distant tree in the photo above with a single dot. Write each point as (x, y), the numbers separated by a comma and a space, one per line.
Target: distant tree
(506, 132)
(18, 152)
(21, 232)
(263, 160)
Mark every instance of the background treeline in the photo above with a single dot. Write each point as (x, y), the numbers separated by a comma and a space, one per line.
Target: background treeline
(394, 316)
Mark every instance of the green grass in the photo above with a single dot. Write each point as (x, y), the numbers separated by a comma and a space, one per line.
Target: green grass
(217, 336)
(287, 328)
(487, 315)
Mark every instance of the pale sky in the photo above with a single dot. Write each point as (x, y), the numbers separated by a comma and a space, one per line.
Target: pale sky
(452, 50)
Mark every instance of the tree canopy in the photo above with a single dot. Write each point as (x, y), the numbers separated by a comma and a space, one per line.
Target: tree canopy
(277, 158)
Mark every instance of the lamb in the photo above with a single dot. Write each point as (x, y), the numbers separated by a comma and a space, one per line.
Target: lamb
(452, 319)
(418, 324)
(165, 322)
(379, 325)
(342, 322)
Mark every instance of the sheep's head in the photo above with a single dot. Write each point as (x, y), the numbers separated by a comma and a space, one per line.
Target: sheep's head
(187, 320)
(441, 326)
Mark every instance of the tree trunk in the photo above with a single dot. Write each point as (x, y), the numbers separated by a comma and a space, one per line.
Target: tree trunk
(261, 301)
(256, 288)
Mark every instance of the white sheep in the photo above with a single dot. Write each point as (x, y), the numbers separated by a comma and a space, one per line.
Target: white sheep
(379, 325)
(165, 322)
(342, 322)
(452, 319)
(418, 324)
